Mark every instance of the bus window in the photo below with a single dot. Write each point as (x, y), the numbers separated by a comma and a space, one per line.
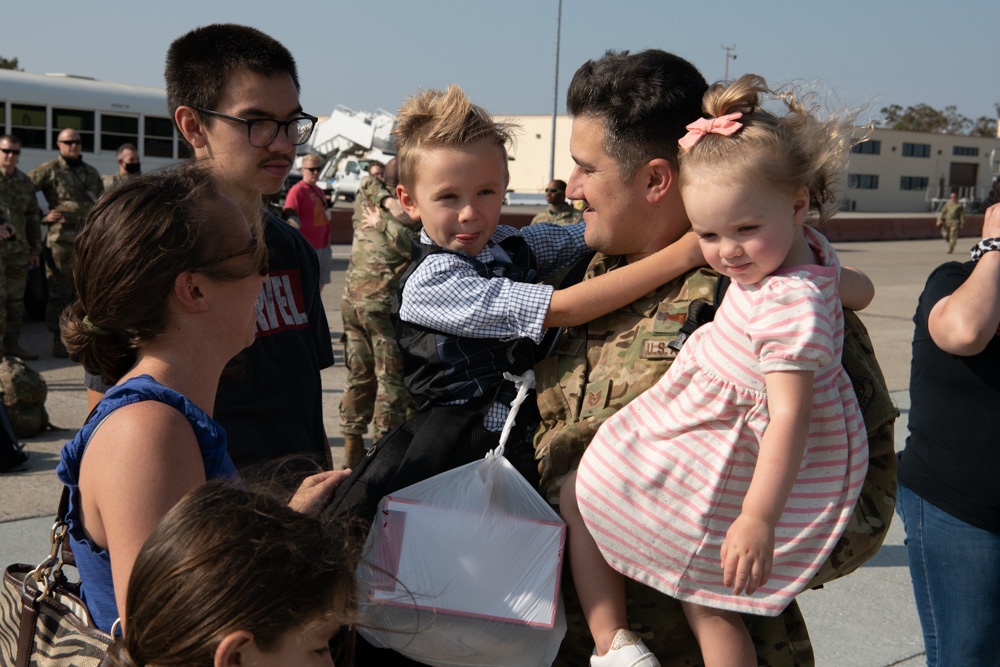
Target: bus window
(118, 130)
(159, 141)
(28, 124)
(81, 121)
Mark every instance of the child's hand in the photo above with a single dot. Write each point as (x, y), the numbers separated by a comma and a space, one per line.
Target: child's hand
(747, 554)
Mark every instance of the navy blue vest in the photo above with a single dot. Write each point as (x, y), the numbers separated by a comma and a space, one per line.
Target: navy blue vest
(441, 368)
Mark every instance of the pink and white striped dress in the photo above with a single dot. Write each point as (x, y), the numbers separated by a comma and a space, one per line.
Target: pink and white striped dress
(665, 477)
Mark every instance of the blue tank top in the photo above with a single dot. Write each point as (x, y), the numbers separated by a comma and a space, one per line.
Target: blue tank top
(93, 562)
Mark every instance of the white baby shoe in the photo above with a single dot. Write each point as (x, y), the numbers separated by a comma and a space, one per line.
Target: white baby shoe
(627, 650)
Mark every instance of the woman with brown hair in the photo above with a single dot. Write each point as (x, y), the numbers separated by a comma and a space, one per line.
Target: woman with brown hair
(208, 589)
(167, 273)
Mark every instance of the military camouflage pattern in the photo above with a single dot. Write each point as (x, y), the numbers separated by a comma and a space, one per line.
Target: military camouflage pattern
(73, 192)
(380, 253)
(23, 390)
(19, 206)
(602, 366)
(952, 217)
(114, 180)
(564, 215)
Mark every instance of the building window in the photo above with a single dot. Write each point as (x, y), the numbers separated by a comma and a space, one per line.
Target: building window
(916, 150)
(971, 151)
(81, 121)
(118, 130)
(862, 181)
(28, 124)
(873, 147)
(912, 182)
(159, 139)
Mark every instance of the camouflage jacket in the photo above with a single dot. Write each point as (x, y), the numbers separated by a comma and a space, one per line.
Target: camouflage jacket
(379, 253)
(19, 206)
(114, 180)
(72, 191)
(952, 214)
(599, 367)
(564, 215)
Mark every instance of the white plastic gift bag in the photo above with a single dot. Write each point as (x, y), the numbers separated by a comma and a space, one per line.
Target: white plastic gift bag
(464, 568)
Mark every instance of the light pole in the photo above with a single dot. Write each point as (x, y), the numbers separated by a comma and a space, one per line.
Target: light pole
(730, 55)
(555, 97)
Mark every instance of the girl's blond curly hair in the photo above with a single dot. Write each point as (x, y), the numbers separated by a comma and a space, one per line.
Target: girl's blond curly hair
(785, 152)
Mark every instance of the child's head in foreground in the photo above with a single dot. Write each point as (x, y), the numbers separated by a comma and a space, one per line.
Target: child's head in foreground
(236, 577)
(751, 179)
(452, 167)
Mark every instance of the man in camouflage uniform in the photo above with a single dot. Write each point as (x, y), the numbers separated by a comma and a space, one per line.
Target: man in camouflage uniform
(951, 219)
(70, 187)
(21, 249)
(128, 166)
(600, 367)
(379, 255)
(560, 211)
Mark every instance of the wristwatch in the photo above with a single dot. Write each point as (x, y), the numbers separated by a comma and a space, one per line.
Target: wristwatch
(983, 247)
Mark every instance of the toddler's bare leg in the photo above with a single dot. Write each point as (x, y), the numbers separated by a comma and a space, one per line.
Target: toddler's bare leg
(600, 588)
(722, 636)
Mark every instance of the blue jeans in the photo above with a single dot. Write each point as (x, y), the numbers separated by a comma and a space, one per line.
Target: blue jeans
(955, 568)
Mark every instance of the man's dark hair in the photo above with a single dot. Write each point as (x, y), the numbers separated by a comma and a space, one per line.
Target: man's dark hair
(200, 63)
(560, 184)
(644, 99)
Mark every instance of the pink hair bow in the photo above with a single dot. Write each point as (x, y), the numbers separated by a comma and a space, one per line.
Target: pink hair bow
(725, 125)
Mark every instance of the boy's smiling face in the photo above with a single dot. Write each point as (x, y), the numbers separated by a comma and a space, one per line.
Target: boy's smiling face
(457, 194)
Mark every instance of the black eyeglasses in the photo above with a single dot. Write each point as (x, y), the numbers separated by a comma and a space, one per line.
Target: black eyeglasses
(262, 131)
(550, 191)
(10, 151)
(70, 142)
(315, 169)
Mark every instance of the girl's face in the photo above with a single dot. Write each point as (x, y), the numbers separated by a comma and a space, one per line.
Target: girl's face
(747, 230)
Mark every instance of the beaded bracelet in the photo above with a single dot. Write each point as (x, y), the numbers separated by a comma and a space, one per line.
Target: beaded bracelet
(984, 247)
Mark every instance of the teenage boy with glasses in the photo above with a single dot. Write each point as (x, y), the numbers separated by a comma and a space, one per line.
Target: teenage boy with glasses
(234, 94)
(70, 186)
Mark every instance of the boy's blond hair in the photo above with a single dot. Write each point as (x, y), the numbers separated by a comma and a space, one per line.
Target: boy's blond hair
(798, 148)
(436, 118)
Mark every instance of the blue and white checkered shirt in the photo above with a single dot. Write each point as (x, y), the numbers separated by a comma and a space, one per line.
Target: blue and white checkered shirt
(445, 293)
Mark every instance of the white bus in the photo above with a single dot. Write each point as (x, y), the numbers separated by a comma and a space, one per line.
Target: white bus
(35, 107)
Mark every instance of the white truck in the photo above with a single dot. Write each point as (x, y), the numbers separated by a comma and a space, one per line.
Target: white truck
(349, 140)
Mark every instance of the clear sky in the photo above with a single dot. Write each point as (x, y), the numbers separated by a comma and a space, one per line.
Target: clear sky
(367, 55)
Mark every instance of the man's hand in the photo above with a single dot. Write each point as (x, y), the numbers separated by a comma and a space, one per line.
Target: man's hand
(6, 231)
(54, 216)
(747, 554)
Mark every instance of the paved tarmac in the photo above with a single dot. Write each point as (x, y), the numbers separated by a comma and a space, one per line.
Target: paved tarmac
(865, 620)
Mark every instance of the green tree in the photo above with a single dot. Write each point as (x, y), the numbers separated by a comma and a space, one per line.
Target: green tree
(984, 126)
(9, 63)
(925, 118)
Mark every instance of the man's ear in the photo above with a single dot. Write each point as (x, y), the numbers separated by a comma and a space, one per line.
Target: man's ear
(188, 292)
(408, 203)
(233, 649)
(800, 205)
(659, 176)
(189, 123)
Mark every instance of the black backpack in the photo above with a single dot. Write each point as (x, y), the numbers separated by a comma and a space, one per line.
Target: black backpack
(11, 453)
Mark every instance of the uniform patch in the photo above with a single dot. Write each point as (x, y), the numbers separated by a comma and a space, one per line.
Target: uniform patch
(595, 398)
(657, 348)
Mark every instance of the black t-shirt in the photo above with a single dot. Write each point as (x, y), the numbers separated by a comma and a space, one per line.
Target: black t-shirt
(271, 403)
(952, 456)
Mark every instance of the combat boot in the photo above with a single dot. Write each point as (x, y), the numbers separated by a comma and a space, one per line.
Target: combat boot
(354, 449)
(59, 350)
(12, 348)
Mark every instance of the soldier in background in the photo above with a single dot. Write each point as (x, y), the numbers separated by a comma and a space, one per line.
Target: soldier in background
(70, 187)
(127, 156)
(560, 211)
(380, 253)
(21, 249)
(951, 219)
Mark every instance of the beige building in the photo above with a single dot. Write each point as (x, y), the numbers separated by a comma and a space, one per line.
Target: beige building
(895, 171)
